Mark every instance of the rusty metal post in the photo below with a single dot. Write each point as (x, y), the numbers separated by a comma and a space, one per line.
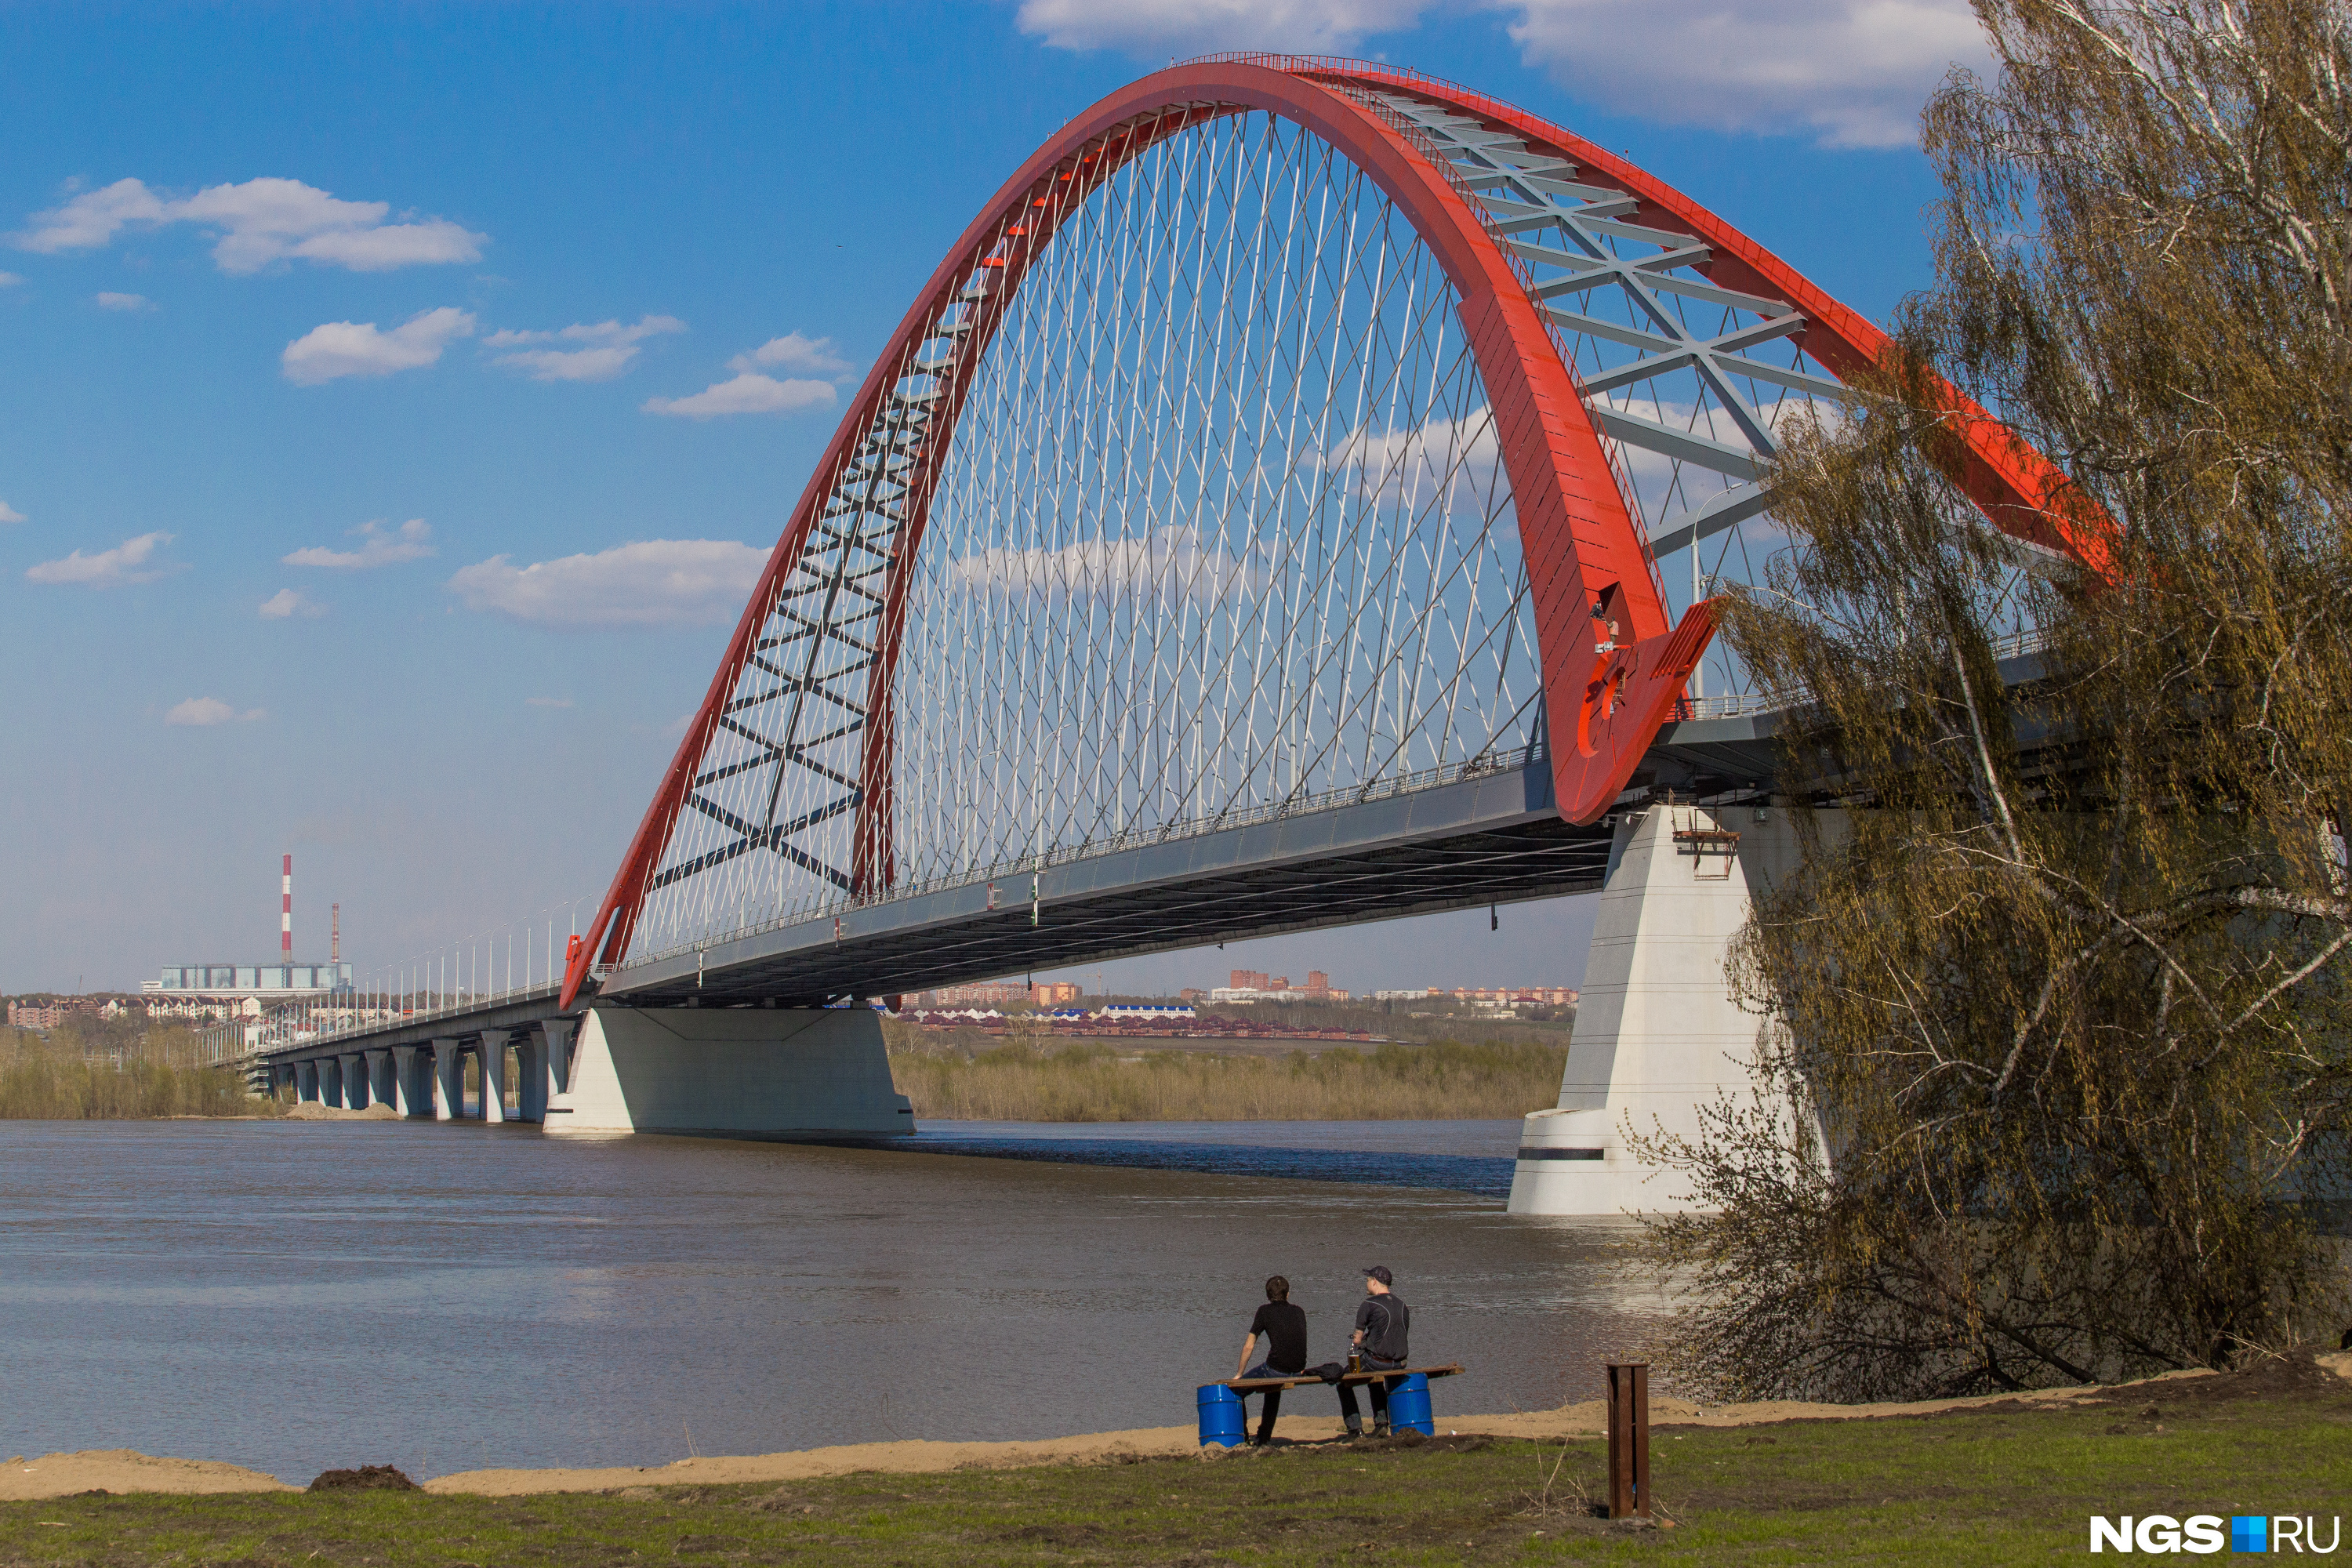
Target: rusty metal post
(1629, 1439)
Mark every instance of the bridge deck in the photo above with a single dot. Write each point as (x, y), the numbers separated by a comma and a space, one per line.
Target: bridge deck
(1495, 838)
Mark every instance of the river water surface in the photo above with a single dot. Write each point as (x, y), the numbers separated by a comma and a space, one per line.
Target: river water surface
(297, 1295)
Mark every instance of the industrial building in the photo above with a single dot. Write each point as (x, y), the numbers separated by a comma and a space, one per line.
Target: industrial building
(193, 989)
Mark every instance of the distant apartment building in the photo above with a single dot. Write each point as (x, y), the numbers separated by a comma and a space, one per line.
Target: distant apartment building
(1249, 986)
(49, 1012)
(1498, 996)
(989, 995)
(1513, 996)
(1054, 993)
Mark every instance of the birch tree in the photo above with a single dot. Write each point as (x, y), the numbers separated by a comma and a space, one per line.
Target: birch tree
(2061, 1003)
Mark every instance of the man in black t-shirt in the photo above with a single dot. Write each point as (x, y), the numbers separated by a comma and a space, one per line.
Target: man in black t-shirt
(1284, 1328)
(1378, 1345)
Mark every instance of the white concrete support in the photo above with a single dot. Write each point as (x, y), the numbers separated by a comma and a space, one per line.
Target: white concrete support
(1657, 1033)
(493, 1055)
(448, 1080)
(356, 1081)
(331, 1081)
(379, 1076)
(736, 1072)
(411, 1094)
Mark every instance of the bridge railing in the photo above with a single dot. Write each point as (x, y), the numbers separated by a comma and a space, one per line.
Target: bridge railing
(506, 962)
(1688, 709)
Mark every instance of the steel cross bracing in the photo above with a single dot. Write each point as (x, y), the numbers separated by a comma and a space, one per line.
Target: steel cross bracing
(797, 719)
(1666, 360)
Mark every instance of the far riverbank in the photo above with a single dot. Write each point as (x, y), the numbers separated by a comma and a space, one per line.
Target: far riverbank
(1020, 1080)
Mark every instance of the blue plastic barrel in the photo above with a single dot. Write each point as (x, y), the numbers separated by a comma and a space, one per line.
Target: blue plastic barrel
(1408, 1407)
(1222, 1414)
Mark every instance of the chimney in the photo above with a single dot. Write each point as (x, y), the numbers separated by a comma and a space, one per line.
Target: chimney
(286, 912)
(334, 934)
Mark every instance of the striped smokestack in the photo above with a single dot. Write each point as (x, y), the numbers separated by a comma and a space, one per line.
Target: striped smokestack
(286, 912)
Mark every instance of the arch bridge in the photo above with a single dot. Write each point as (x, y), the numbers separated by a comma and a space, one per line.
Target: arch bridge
(1299, 497)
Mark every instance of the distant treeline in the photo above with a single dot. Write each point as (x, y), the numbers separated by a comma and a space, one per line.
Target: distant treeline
(90, 1068)
(994, 1080)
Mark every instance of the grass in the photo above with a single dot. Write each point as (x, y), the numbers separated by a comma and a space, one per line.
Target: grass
(1085, 1082)
(2000, 1485)
(99, 1072)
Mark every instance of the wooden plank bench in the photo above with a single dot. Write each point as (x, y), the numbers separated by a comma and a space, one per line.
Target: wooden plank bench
(1350, 1378)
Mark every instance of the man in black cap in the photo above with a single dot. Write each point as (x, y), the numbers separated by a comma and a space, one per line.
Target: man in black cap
(1284, 1328)
(1377, 1345)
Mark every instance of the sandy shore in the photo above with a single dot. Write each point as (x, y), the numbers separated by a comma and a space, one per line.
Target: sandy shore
(1587, 1420)
(123, 1470)
(311, 1110)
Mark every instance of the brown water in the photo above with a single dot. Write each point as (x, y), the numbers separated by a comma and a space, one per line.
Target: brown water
(299, 1295)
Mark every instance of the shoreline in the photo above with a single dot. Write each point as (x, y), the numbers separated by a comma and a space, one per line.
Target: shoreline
(120, 1470)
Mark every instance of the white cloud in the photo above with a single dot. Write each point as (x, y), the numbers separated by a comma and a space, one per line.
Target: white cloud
(357, 348)
(1171, 563)
(124, 302)
(609, 347)
(9, 513)
(1407, 467)
(91, 218)
(1847, 73)
(549, 701)
(9, 280)
(204, 711)
(576, 364)
(1160, 27)
(288, 603)
(133, 560)
(651, 583)
(412, 541)
(746, 393)
(812, 357)
(259, 222)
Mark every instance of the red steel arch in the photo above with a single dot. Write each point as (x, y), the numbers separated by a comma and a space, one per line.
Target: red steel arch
(1605, 696)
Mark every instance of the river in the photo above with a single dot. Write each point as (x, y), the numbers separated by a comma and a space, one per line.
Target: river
(297, 1295)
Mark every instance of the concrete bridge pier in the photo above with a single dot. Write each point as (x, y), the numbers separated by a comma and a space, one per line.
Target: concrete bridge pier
(379, 1075)
(412, 1091)
(492, 1053)
(530, 1076)
(306, 1082)
(331, 1081)
(1658, 1034)
(355, 1082)
(448, 1082)
(730, 1072)
(548, 1069)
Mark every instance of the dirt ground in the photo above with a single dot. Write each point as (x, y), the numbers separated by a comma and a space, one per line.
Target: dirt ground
(120, 1470)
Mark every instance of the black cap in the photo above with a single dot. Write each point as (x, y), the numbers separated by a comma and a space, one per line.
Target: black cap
(1374, 1271)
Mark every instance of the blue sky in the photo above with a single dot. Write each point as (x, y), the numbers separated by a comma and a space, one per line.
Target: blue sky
(321, 327)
